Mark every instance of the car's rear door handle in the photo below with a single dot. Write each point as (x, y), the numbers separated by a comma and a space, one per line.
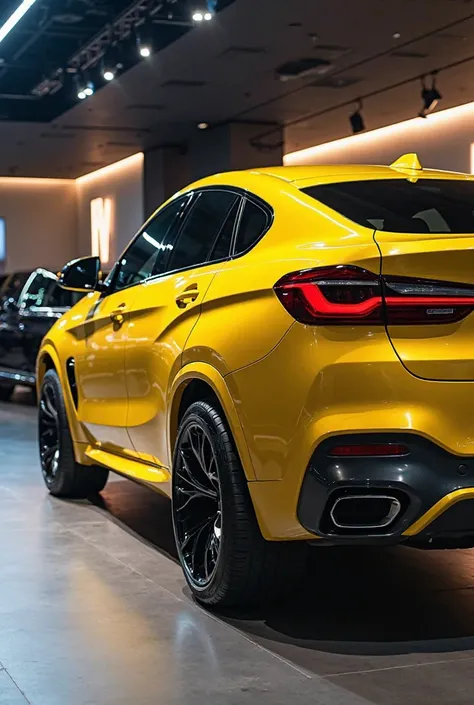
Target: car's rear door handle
(116, 316)
(187, 296)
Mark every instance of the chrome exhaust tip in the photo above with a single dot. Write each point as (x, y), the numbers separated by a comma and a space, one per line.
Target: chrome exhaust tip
(365, 511)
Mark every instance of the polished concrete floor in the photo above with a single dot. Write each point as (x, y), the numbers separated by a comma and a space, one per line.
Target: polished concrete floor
(94, 611)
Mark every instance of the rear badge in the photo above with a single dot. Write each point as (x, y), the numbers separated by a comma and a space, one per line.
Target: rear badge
(440, 311)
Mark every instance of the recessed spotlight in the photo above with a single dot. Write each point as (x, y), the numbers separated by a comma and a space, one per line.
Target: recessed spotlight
(396, 35)
(108, 75)
(208, 16)
(198, 16)
(145, 51)
(203, 125)
(81, 95)
(89, 89)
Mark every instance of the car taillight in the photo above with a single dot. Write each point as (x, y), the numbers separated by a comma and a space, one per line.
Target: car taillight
(348, 295)
(366, 450)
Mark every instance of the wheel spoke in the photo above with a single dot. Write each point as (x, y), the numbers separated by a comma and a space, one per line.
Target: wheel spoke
(194, 533)
(197, 504)
(48, 433)
(193, 484)
(48, 452)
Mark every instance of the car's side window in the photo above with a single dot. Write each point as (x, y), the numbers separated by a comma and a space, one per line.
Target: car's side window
(37, 290)
(201, 229)
(149, 251)
(223, 244)
(61, 298)
(253, 223)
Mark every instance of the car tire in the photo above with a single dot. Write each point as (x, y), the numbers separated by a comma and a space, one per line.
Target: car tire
(6, 391)
(227, 563)
(63, 476)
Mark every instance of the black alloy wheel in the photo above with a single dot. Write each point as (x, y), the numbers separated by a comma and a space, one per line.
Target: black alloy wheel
(63, 475)
(49, 433)
(197, 505)
(225, 559)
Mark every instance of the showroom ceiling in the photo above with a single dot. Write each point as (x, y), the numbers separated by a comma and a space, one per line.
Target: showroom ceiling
(228, 69)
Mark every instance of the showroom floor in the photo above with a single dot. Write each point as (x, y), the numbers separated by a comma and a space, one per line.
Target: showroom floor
(94, 611)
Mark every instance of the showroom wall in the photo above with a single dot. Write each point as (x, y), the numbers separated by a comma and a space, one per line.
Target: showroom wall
(116, 195)
(50, 221)
(40, 222)
(443, 141)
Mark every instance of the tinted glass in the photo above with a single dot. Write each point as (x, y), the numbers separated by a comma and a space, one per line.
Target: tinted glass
(148, 253)
(201, 229)
(397, 205)
(222, 246)
(253, 224)
(60, 298)
(37, 290)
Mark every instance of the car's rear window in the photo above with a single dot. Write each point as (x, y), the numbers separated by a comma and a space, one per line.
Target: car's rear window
(400, 206)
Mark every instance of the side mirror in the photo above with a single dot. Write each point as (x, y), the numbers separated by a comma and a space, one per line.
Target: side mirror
(9, 306)
(81, 275)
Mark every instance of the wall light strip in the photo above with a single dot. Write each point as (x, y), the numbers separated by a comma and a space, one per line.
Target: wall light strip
(415, 126)
(15, 18)
(134, 160)
(32, 181)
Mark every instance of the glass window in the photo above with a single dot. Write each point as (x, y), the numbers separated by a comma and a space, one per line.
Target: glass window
(222, 246)
(61, 298)
(398, 205)
(148, 253)
(201, 229)
(37, 290)
(253, 223)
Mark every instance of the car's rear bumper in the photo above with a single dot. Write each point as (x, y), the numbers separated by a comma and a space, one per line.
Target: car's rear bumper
(426, 483)
(433, 488)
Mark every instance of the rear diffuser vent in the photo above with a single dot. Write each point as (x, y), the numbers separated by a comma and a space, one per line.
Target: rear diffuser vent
(302, 68)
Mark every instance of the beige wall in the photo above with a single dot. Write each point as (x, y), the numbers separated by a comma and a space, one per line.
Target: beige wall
(442, 141)
(41, 222)
(122, 183)
(48, 221)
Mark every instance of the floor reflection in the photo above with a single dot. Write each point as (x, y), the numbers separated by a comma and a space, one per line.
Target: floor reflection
(355, 601)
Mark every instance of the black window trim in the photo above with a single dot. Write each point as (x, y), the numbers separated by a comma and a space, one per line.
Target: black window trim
(110, 289)
(193, 194)
(268, 212)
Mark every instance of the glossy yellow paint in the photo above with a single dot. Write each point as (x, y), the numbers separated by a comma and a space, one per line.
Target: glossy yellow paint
(439, 508)
(159, 326)
(284, 387)
(159, 477)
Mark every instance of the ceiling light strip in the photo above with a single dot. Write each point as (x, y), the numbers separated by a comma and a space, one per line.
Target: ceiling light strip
(15, 18)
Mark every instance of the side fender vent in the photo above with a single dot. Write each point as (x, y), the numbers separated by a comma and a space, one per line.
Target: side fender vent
(71, 375)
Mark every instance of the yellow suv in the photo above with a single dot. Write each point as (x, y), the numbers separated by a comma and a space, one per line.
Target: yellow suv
(288, 354)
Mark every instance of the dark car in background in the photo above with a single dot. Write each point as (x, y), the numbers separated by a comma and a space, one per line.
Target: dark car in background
(30, 302)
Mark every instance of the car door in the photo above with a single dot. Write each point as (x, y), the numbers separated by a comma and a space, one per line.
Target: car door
(165, 310)
(12, 361)
(100, 370)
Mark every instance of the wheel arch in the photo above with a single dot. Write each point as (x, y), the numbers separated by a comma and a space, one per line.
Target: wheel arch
(199, 381)
(48, 359)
